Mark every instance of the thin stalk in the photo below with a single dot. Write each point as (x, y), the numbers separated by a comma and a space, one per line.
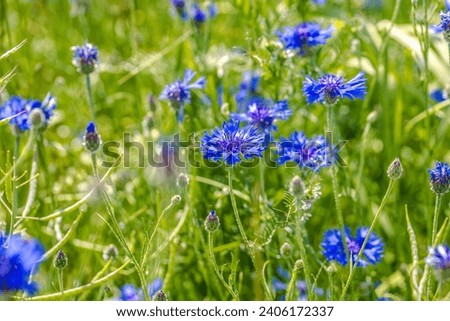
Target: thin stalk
(216, 268)
(77, 204)
(15, 201)
(366, 239)
(437, 207)
(30, 142)
(60, 280)
(337, 200)
(149, 242)
(90, 97)
(118, 232)
(80, 289)
(291, 285)
(427, 276)
(33, 183)
(304, 258)
(241, 229)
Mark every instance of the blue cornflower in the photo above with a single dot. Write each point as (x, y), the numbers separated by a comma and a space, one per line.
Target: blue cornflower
(247, 90)
(447, 4)
(329, 88)
(319, 2)
(198, 15)
(263, 114)
(439, 95)
(129, 292)
(439, 259)
(333, 248)
(85, 58)
(178, 93)
(27, 113)
(313, 153)
(440, 178)
(17, 108)
(230, 143)
(303, 37)
(444, 26)
(19, 260)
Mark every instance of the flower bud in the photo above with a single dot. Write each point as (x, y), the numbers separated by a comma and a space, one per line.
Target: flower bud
(395, 170)
(37, 118)
(110, 252)
(182, 180)
(176, 199)
(60, 261)
(296, 186)
(91, 139)
(160, 296)
(212, 222)
(298, 265)
(286, 249)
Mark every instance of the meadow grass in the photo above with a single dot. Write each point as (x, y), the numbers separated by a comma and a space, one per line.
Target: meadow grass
(143, 46)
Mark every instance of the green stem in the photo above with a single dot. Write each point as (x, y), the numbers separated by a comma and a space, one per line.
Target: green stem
(337, 200)
(216, 268)
(353, 265)
(33, 183)
(304, 257)
(30, 142)
(90, 97)
(80, 202)
(149, 242)
(118, 232)
(15, 201)
(291, 285)
(60, 280)
(80, 289)
(437, 207)
(242, 231)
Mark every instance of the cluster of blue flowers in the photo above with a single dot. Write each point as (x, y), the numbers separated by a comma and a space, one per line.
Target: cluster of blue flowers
(333, 247)
(24, 114)
(19, 261)
(129, 292)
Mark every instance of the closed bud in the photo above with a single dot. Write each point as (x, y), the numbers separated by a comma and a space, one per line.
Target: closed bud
(395, 170)
(298, 265)
(160, 296)
(110, 252)
(286, 249)
(60, 261)
(176, 199)
(91, 139)
(182, 180)
(37, 118)
(332, 269)
(296, 186)
(212, 222)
